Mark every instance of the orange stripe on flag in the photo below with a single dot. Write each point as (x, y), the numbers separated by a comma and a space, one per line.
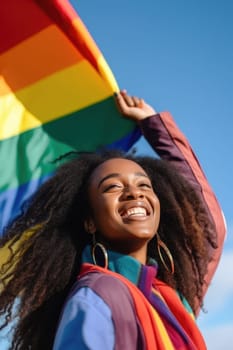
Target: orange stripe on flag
(63, 14)
(88, 47)
(35, 58)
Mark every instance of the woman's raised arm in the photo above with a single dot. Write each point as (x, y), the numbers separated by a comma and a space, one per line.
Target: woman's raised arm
(162, 133)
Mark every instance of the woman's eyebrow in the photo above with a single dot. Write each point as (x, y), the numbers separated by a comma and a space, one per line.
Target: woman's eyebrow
(141, 174)
(108, 177)
(138, 174)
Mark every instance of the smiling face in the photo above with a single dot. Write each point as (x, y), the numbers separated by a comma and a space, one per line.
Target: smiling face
(124, 208)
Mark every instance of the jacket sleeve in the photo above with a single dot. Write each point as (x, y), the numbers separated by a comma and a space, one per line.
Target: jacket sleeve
(86, 323)
(169, 143)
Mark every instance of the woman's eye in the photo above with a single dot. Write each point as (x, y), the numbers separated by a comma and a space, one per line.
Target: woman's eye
(146, 185)
(112, 187)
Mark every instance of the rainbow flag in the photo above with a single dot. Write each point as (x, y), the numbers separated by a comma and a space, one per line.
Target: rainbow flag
(56, 95)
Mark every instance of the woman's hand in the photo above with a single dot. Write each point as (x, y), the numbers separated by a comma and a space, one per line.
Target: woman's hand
(133, 107)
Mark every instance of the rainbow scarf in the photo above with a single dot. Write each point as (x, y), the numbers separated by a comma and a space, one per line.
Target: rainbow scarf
(166, 323)
(56, 96)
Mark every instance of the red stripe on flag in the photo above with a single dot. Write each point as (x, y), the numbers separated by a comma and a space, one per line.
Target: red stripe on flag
(19, 20)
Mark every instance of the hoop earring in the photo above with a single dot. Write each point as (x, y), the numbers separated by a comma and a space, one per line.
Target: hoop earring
(161, 244)
(102, 249)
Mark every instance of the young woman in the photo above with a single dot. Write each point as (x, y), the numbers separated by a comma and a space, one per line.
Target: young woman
(115, 251)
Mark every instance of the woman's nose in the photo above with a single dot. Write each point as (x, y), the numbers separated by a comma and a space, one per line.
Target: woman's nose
(132, 192)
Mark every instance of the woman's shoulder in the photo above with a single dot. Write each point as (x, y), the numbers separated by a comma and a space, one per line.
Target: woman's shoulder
(110, 288)
(109, 295)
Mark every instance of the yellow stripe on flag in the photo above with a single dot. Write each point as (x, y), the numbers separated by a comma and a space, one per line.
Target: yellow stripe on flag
(59, 94)
(107, 74)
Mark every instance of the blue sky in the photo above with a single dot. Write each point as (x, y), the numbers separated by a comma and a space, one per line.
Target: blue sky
(178, 56)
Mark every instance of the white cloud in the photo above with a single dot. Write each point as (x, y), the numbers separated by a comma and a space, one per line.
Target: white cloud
(219, 337)
(229, 240)
(221, 289)
(217, 325)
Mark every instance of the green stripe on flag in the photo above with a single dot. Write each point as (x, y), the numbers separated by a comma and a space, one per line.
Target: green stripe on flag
(29, 155)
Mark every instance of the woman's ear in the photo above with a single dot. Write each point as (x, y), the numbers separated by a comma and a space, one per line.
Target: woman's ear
(89, 226)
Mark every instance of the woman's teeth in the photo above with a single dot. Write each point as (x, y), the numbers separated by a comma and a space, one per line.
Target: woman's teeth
(138, 211)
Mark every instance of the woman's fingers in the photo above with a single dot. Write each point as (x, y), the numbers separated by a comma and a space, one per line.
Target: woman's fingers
(132, 106)
(121, 102)
(125, 101)
(138, 102)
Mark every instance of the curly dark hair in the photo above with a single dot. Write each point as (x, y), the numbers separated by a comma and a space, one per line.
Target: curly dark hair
(46, 241)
